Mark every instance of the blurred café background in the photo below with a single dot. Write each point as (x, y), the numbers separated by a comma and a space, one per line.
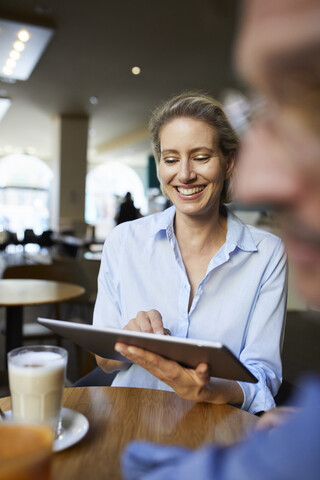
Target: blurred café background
(78, 82)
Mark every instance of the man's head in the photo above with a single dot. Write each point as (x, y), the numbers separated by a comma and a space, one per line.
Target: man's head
(278, 55)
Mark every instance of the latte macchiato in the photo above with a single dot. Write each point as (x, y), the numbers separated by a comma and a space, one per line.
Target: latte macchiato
(36, 381)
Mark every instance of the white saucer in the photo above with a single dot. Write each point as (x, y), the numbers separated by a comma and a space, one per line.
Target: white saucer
(74, 427)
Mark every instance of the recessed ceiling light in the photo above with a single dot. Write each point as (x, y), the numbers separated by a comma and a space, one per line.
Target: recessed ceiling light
(19, 46)
(10, 62)
(94, 100)
(24, 35)
(136, 70)
(7, 70)
(14, 54)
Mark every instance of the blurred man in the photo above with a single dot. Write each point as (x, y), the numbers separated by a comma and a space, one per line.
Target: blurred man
(278, 55)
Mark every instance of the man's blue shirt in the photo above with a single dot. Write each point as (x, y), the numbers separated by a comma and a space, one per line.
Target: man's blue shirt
(289, 452)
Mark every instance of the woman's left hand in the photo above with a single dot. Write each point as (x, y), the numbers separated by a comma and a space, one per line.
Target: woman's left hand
(190, 384)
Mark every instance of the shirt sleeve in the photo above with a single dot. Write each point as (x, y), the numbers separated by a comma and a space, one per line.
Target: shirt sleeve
(107, 311)
(264, 337)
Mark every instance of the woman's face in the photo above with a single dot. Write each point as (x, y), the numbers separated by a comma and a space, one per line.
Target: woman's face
(192, 168)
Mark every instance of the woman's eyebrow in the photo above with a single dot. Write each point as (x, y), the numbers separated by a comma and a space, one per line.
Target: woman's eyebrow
(196, 149)
(193, 150)
(169, 150)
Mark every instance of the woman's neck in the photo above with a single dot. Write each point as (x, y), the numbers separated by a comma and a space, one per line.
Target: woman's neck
(200, 232)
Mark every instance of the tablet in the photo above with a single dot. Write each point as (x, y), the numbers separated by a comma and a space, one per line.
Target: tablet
(188, 352)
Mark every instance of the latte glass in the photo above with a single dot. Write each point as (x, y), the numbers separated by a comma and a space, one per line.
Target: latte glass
(36, 382)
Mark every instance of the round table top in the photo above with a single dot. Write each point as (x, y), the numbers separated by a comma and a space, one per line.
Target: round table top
(15, 292)
(118, 415)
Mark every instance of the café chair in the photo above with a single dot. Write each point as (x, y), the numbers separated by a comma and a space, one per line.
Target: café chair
(96, 378)
(29, 237)
(45, 240)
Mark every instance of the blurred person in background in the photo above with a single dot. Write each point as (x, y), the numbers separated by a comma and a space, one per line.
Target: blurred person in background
(127, 210)
(278, 55)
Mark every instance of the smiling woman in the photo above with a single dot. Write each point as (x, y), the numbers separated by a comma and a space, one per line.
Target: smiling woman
(195, 269)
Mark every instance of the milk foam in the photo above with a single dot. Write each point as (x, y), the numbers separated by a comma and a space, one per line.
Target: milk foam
(33, 362)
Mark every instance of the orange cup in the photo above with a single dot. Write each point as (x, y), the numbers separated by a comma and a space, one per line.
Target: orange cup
(25, 451)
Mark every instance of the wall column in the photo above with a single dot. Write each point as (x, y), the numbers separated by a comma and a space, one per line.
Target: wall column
(70, 168)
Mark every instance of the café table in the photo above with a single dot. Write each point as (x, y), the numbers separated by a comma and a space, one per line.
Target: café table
(17, 293)
(118, 415)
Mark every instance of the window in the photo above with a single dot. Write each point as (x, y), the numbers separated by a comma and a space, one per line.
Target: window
(25, 183)
(106, 186)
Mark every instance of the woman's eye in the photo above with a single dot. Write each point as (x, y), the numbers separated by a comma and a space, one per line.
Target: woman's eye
(202, 158)
(170, 161)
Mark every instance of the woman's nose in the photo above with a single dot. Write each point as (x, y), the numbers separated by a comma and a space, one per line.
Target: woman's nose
(186, 172)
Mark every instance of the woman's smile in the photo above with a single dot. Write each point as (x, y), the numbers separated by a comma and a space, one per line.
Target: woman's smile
(188, 191)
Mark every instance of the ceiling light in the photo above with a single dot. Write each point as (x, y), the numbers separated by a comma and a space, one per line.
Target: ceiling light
(19, 46)
(23, 35)
(94, 100)
(136, 70)
(7, 70)
(10, 62)
(24, 44)
(14, 54)
(4, 105)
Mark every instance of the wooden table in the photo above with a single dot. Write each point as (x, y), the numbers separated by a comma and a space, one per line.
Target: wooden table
(17, 293)
(119, 415)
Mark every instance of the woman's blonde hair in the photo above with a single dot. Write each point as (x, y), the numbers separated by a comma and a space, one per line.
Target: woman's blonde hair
(200, 107)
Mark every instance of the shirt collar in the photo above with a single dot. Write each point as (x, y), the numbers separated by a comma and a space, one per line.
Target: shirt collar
(238, 233)
(163, 221)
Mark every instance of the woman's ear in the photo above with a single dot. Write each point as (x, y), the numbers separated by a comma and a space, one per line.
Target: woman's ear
(159, 178)
(230, 165)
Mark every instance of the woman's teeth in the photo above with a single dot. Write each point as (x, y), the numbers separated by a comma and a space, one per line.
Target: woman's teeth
(190, 191)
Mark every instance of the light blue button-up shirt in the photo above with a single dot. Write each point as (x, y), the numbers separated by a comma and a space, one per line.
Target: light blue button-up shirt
(241, 302)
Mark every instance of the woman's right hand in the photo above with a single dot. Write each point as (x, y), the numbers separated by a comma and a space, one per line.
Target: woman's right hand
(147, 322)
